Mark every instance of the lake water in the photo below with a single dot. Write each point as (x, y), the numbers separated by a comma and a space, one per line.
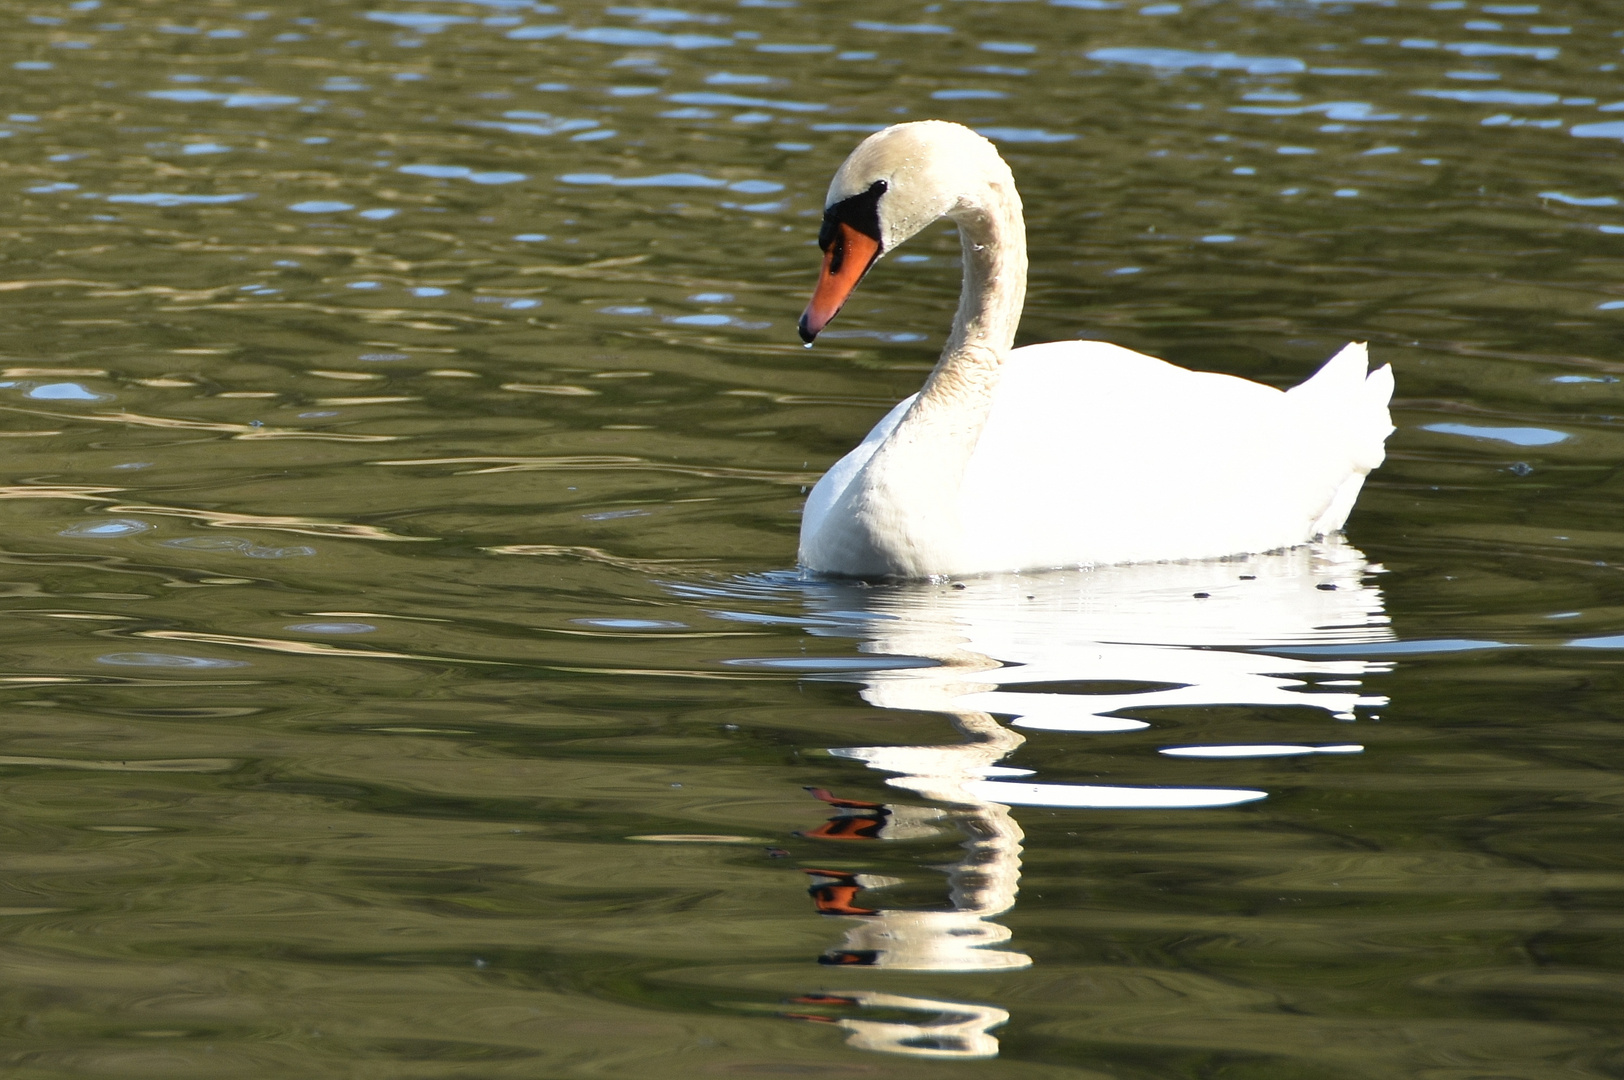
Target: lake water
(405, 433)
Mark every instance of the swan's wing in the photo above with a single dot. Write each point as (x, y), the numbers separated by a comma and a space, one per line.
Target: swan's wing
(1098, 454)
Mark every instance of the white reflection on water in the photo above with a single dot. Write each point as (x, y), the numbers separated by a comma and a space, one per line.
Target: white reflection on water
(1184, 635)
(957, 1030)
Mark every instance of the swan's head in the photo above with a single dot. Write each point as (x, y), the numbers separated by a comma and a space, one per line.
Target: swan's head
(894, 184)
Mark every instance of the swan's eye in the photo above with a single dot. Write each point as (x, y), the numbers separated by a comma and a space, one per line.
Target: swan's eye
(861, 212)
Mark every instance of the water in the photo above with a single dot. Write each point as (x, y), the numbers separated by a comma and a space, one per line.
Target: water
(405, 432)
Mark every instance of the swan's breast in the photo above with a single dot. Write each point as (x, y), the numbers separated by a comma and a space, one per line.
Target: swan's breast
(833, 484)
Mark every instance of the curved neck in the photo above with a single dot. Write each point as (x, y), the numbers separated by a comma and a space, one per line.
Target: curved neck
(992, 238)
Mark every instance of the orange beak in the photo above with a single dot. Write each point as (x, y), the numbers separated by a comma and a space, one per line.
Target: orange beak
(845, 261)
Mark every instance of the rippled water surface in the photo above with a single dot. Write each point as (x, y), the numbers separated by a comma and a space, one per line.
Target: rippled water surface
(404, 437)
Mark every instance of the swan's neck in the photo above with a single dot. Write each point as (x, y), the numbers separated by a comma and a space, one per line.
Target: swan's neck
(992, 237)
(907, 496)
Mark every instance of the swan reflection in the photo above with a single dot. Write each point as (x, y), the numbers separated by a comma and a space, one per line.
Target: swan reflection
(1062, 651)
(957, 1030)
(981, 881)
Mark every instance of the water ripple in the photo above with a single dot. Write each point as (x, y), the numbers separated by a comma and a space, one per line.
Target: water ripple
(1164, 59)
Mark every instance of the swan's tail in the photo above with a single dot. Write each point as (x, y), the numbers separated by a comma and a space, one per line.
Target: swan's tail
(1347, 404)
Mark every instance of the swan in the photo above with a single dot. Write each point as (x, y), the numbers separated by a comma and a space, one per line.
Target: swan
(1065, 454)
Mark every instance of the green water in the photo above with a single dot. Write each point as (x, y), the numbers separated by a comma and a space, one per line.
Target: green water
(405, 431)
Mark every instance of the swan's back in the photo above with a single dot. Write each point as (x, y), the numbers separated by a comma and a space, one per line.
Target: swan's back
(1096, 454)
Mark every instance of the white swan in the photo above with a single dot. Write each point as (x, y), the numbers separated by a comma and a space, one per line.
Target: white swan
(1071, 453)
